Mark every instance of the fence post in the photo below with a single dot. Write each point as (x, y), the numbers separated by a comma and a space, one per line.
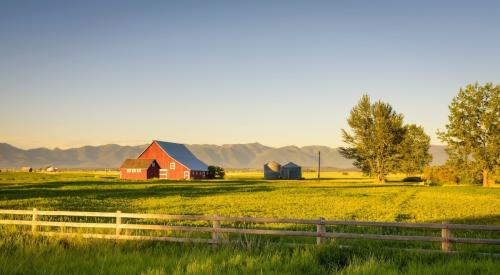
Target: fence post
(34, 227)
(118, 222)
(320, 230)
(445, 235)
(215, 229)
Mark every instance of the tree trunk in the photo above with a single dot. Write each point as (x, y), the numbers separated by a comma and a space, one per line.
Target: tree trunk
(379, 172)
(486, 180)
(379, 178)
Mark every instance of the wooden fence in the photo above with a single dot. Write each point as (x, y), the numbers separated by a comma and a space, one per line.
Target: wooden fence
(321, 234)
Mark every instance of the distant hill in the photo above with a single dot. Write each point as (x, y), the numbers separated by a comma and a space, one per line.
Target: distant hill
(252, 155)
(104, 156)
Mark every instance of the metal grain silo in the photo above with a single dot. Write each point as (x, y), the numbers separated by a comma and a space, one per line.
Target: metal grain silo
(291, 171)
(272, 170)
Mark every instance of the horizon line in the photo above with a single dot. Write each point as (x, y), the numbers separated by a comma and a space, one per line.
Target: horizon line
(199, 144)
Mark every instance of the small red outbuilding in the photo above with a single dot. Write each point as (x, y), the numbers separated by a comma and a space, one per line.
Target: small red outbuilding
(139, 169)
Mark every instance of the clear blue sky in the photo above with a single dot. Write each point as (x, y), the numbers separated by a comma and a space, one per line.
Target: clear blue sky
(274, 72)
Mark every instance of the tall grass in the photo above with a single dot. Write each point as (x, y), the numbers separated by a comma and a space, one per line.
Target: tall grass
(24, 254)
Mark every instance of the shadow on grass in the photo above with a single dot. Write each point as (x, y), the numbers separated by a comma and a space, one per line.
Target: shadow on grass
(483, 220)
(342, 179)
(129, 190)
(362, 185)
(124, 189)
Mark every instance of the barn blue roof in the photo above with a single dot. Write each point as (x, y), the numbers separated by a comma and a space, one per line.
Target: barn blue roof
(183, 155)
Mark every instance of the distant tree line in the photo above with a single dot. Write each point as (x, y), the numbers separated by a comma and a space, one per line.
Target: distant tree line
(380, 143)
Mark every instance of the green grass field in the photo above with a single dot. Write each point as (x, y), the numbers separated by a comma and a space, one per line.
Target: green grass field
(336, 196)
(349, 197)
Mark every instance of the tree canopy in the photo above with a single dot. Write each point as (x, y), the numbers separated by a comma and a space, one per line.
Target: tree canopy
(472, 133)
(380, 143)
(414, 150)
(376, 132)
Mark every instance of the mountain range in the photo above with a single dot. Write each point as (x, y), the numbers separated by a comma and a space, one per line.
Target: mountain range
(238, 156)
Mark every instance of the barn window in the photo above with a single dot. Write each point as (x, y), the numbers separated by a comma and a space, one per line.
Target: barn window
(186, 174)
(172, 166)
(129, 170)
(139, 170)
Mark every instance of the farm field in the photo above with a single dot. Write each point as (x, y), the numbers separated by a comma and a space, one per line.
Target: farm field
(336, 197)
(346, 197)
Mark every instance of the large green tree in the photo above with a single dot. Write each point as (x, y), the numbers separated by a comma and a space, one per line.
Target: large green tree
(473, 133)
(414, 150)
(376, 132)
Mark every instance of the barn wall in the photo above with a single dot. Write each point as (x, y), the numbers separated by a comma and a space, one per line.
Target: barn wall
(133, 176)
(155, 152)
(199, 174)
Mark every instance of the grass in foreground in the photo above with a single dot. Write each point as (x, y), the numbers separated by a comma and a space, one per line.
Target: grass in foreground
(23, 254)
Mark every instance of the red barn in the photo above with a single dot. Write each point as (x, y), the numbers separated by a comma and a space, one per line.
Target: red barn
(139, 169)
(175, 161)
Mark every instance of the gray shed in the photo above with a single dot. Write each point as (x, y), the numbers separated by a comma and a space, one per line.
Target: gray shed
(272, 170)
(291, 171)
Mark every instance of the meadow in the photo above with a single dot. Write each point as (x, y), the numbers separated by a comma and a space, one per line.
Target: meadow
(338, 196)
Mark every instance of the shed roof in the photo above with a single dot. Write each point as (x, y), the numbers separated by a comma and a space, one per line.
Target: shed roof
(183, 155)
(137, 163)
(291, 165)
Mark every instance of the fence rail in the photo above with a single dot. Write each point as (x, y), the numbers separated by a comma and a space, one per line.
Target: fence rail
(321, 234)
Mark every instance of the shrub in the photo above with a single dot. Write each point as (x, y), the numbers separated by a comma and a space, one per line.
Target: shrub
(431, 183)
(442, 174)
(470, 176)
(412, 179)
(216, 172)
(453, 174)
